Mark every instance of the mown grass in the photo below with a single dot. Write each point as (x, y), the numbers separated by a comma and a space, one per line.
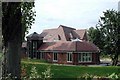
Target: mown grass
(64, 71)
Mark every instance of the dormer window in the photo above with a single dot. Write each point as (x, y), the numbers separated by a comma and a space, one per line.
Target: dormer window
(50, 35)
(55, 39)
(59, 37)
(71, 36)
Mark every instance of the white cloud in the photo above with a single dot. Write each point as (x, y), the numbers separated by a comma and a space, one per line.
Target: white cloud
(76, 13)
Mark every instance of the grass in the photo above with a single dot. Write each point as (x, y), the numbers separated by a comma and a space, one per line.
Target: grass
(62, 71)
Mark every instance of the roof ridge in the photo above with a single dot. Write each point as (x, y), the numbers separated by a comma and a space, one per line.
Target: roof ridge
(66, 27)
(80, 29)
(49, 29)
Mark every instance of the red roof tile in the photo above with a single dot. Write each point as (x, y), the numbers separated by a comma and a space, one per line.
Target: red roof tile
(65, 33)
(69, 46)
(34, 36)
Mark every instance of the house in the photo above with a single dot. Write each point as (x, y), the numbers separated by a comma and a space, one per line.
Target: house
(24, 50)
(63, 33)
(63, 45)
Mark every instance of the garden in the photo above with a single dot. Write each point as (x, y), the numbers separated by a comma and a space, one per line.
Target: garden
(44, 69)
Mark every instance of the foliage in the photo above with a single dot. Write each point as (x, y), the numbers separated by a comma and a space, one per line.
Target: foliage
(47, 73)
(107, 34)
(28, 16)
(34, 74)
(65, 71)
(23, 72)
(114, 76)
(17, 18)
(109, 25)
(25, 75)
(96, 37)
(86, 77)
(8, 77)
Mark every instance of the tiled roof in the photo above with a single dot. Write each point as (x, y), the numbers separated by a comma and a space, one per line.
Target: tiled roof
(77, 46)
(65, 34)
(80, 33)
(34, 36)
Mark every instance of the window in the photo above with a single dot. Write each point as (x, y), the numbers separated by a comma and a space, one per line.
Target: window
(71, 36)
(69, 57)
(50, 35)
(59, 38)
(41, 55)
(55, 57)
(85, 57)
(34, 45)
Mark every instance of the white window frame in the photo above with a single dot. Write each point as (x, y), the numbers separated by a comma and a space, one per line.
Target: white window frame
(42, 55)
(34, 45)
(85, 55)
(55, 53)
(68, 56)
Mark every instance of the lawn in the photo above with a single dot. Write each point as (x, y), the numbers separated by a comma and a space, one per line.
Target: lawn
(65, 71)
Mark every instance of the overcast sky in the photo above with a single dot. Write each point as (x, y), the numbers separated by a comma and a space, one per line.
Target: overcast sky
(79, 14)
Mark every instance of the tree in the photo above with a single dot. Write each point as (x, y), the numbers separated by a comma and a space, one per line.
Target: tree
(109, 25)
(17, 18)
(0, 40)
(96, 37)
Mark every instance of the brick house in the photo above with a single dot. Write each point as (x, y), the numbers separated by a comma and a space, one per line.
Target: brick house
(63, 45)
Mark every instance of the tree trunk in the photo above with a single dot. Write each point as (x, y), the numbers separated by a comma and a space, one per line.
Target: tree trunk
(0, 40)
(115, 59)
(13, 58)
(12, 35)
(0, 27)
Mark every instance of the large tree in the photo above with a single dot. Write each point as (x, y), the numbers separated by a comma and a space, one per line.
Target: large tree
(97, 37)
(109, 25)
(17, 18)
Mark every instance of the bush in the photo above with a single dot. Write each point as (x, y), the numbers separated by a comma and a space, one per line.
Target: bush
(86, 77)
(114, 76)
(47, 73)
(34, 74)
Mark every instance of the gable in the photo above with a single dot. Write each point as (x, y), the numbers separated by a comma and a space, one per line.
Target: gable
(63, 33)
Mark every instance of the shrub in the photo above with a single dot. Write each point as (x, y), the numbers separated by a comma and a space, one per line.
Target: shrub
(114, 76)
(86, 77)
(47, 73)
(34, 74)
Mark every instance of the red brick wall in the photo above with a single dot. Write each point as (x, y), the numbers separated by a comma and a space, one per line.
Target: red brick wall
(62, 58)
(75, 58)
(49, 57)
(95, 58)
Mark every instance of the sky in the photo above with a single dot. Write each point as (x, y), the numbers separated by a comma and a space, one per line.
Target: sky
(79, 14)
